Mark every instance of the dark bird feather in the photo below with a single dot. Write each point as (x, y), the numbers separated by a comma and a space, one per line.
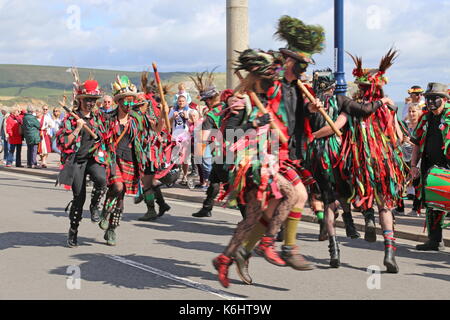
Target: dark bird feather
(299, 36)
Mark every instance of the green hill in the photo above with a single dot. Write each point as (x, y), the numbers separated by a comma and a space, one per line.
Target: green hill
(21, 84)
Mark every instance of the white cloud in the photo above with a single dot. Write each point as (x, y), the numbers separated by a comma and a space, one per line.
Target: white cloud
(191, 35)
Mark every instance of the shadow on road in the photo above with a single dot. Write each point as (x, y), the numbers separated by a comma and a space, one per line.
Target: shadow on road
(38, 239)
(100, 268)
(187, 224)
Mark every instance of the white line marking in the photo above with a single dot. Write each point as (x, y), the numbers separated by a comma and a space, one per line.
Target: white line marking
(186, 282)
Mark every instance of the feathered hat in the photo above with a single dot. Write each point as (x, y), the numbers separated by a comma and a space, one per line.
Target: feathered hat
(302, 40)
(373, 76)
(88, 89)
(323, 80)
(260, 63)
(204, 82)
(123, 88)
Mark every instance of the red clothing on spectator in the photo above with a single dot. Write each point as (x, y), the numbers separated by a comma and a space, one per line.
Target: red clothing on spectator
(12, 129)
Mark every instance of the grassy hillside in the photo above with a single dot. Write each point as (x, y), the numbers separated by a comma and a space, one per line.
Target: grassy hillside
(23, 84)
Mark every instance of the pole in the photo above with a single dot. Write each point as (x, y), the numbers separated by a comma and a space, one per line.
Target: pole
(341, 84)
(237, 36)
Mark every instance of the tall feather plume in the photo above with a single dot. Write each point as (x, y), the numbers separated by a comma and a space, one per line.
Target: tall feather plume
(198, 81)
(299, 36)
(387, 61)
(358, 63)
(144, 82)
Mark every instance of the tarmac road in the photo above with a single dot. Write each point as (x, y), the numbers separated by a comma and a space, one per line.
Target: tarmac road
(170, 259)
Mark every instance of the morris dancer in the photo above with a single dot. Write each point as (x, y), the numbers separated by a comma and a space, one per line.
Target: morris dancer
(324, 153)
(127, 144)
(81, 154)
(431, 147)
(158, 155)
(372, 149)
(251, 182)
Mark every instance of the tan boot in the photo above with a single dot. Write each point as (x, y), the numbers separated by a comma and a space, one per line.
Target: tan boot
(293, 259)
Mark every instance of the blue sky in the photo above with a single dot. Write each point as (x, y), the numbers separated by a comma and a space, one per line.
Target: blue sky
(191, 35)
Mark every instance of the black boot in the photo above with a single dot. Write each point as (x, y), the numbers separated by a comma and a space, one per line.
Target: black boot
(370, 229)
(323, 234)
(94, 208)
(75, 216)
(151, 214)
(72, 240)
(334, 252)
(389, 256)
(203, 212)
(350, 228)
(163, 206)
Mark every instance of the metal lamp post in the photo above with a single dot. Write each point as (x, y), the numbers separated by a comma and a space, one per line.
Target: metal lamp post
(341, 84)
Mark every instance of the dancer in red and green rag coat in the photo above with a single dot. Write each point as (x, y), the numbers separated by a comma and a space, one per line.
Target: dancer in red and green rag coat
(431, 147)
(265, 181)
(81, 154)
(128, 145)
(324, 150)
(372, 152)
(160, 146)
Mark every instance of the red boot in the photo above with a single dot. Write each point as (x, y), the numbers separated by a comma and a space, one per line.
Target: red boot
(266, 248)
(222, 263)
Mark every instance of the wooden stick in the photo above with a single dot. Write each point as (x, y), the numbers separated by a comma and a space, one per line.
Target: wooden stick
(73, 114)
(263, 110)
(163, 99)
(321, 110)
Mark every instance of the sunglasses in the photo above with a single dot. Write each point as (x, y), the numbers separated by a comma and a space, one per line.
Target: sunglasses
(129, 103)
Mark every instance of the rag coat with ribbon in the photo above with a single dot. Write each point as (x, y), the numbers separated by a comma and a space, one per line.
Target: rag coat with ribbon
(258, 159)
(68, 152)
(372, 152)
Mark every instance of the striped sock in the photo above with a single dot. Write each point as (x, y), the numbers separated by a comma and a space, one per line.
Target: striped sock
(290, 233)
(257, 232)
(388, 235)
(149, 197)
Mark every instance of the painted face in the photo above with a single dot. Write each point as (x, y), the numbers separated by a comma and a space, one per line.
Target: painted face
(126, 103)
(433, 102)
(88, 103)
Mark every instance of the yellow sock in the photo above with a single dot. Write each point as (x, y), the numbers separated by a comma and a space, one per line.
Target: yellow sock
(254, 236)
(290, 232)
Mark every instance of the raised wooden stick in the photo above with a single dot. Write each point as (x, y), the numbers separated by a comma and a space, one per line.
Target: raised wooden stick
(73, 114)
(321, 110)
(165, 107)
(263, 110)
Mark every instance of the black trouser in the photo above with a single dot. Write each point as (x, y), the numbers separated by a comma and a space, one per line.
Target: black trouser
(81, 170)
(433, 216)
(218, 175)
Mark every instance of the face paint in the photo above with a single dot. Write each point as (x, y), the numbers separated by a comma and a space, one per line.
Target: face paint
(433, 103)
(299, 68)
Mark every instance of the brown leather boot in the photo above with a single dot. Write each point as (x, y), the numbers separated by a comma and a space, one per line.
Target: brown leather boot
(294, 259)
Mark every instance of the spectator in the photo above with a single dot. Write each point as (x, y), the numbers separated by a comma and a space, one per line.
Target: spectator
(108, 104)
(44, 147)
(416, 96)
(57, 121)
(13, 125)
(182, 92)
(412, 119)
(5, 136)
(31, 132)
(179, 116)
